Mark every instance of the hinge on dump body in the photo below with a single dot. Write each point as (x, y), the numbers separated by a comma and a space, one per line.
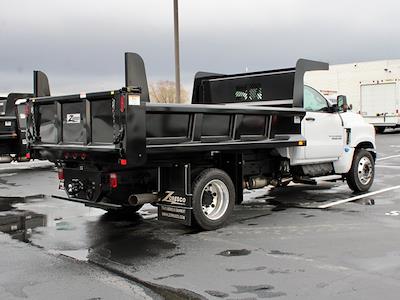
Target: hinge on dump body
(119, 137)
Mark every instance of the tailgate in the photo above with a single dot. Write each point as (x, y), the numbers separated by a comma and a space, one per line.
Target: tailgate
(94, 122)
(8, 127)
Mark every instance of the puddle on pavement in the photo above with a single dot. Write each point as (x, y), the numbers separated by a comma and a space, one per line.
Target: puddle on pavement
(80, 232)
(90, 235)
(261, 291)
(19, 224)
(234, 252)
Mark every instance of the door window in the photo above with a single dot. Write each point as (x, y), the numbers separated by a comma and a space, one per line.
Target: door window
(314, 101)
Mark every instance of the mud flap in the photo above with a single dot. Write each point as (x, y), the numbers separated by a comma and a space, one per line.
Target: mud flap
(175, 203)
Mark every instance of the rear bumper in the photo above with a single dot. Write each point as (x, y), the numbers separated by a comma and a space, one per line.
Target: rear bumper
(58, 152)
(102, 205)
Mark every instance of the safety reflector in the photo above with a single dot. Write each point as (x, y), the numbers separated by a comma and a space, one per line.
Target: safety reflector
(113, 180)
(122, 103)
(61, 174)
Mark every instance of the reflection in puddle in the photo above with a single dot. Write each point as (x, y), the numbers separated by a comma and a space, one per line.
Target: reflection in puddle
(82, 233)
(19, 223)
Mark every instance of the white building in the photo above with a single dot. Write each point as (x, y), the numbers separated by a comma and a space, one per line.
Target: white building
(373, 88)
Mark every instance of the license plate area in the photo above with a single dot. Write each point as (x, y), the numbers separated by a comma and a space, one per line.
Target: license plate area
(86, 185)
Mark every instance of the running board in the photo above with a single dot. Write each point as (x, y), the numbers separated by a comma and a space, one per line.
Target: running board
(326, 178)
(316, 180)
(102, 205)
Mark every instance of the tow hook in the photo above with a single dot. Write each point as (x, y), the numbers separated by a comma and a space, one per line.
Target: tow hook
(75, 187)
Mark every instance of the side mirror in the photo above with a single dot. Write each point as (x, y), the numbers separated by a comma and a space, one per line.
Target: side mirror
(342, 103)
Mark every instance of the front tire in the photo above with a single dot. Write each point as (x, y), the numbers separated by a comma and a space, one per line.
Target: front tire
(213, 198)
(362, 172)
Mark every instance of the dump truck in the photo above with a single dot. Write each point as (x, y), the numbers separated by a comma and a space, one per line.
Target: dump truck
(117, 151)
(13, 141)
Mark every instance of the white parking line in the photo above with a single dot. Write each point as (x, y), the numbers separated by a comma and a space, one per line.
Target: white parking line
(386, 166)
(359, 197)
(387, 157)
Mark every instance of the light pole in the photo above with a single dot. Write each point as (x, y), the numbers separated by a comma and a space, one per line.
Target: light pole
(177, 65)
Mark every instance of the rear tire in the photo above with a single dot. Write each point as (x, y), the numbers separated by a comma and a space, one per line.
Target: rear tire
(213, 198)
(362, 172)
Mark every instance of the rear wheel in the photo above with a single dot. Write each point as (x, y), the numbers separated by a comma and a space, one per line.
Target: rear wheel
(213, 198)
(362, 172)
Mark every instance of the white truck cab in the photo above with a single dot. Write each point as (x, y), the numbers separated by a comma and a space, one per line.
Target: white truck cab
(340, 144)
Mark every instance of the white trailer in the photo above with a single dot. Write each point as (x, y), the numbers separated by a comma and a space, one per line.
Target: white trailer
(373, 89)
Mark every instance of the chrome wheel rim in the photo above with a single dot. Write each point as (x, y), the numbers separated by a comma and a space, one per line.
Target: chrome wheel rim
(365, 170)
(215, 199)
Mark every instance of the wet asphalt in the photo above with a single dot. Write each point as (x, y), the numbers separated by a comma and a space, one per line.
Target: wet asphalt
(270, 248)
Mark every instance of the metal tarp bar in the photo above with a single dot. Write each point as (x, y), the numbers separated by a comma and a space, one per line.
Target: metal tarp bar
(41, 86)
(135, 74)
(271, 85)
(303, 66)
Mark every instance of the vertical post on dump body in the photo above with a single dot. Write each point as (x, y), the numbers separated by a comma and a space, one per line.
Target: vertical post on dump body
(177, 64)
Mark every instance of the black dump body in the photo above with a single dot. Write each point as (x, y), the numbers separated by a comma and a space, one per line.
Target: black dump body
(123, 124)
(95, 124)
(154, 147)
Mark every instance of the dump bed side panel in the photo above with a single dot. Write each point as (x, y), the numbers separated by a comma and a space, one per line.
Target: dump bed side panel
(195, 128)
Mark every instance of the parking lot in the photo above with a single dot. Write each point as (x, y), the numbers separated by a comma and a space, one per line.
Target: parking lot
(270, 248)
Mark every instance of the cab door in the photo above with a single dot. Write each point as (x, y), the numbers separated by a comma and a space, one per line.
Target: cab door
(322, 128)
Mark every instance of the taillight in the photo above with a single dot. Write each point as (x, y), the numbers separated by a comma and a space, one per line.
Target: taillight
(122, 103)
(28, 155)
(113, 180)
(123, 162)
(27, 112)
(66, 155)
(61, 174)
(83, 155)
(74, 155)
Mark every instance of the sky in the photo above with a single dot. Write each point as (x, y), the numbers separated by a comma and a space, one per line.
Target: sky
(80, 44)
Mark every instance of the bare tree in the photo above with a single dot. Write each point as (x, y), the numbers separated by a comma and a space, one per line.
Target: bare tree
(164, 92)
